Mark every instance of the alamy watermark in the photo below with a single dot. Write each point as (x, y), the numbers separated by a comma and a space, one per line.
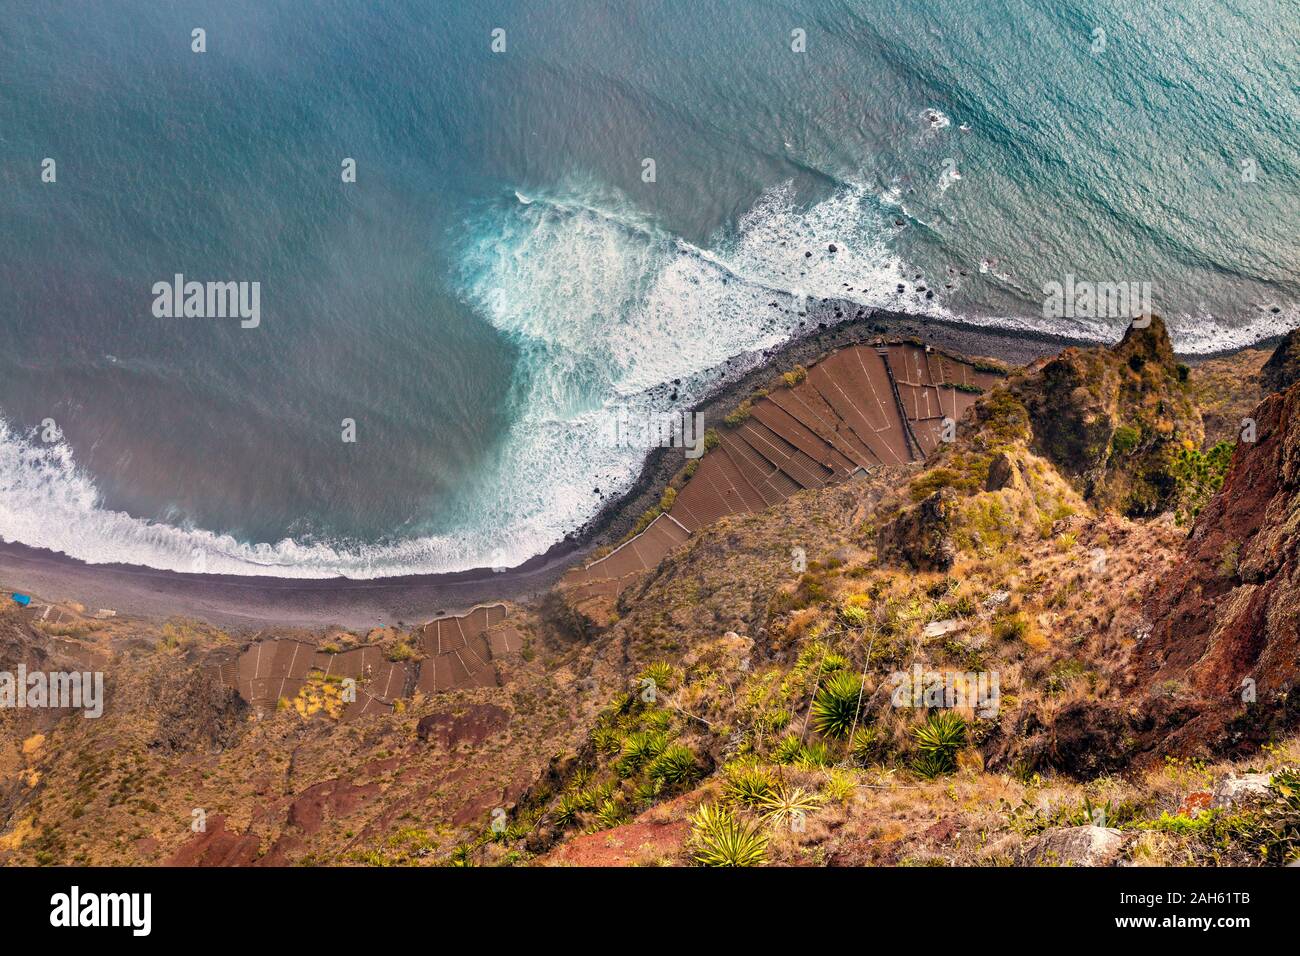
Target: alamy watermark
(129, 910)
(208, 300)
(58, 689)
(1081, 299)
(656, 430)
(979, 691)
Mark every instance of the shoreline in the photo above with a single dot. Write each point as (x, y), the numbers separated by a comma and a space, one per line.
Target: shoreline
(243, 603)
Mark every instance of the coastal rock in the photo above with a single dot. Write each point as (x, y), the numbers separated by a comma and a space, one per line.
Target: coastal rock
(1073, 846)
(922, 536)
(1282, 370)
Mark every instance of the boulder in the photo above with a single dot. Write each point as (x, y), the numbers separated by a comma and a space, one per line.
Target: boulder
(1072, 846)
(1004, 472)
(1235, 791)
(943, 628)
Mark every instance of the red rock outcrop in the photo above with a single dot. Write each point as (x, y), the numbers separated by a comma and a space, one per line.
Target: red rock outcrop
(1226, 621)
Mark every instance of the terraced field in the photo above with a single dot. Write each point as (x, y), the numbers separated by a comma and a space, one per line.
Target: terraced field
(458, 652)
(859, 408)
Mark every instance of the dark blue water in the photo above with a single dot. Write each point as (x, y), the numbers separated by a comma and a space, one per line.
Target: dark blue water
(501, 277)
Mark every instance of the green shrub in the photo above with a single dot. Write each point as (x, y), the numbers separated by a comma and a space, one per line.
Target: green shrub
(840, 786)
(1279, 833)
(1198, 477)
(739, 415)
(400, 651)
(1125, 439)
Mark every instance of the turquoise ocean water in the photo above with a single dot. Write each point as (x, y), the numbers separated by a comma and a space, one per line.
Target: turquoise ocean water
(501, 275)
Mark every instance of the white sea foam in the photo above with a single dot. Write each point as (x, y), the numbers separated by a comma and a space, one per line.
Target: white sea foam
(606, 309)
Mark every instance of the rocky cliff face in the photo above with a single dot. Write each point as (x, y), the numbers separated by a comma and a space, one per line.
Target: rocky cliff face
(1282, 370)
(1110, 419)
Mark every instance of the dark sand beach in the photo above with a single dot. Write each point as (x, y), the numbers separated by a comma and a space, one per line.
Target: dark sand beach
(245, 604)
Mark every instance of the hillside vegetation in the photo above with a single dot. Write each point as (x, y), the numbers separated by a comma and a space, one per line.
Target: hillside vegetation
(1066, 638)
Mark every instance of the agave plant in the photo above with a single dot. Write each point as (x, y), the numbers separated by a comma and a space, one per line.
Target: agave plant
(775, 720)
(749, 784)
(566, 810)
(840, 785)
(853, 616)
(937, 743)
(834, 662)
(657, 719)
(788, 751)
(835, 708)
(870, 745)
(610, 814)
(662, 673)
(814, 754)
(785, 806)
(931, 765)
(648, 791)
(639, 749)
(720, 839)
(674, 767)
(606, 740)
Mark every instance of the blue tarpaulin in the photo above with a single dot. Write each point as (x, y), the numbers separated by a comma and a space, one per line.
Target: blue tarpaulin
(22, 599)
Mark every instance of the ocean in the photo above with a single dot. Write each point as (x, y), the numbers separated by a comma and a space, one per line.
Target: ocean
(588, 220)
